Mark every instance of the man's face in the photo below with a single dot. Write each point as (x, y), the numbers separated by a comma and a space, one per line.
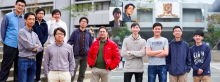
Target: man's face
(19, 7)
(135, 29)
(157, 30)
(40, 15)
(177, 32)
(56, 16)
(83, 23)
(117, 15)
(130, 10)
(59, 36)
(197, 38)
(30, 20)
(103, 33)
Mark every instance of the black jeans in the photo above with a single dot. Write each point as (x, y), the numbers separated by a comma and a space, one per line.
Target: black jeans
(128, 76)
(10, 55)
(39, 58)
(82, 62)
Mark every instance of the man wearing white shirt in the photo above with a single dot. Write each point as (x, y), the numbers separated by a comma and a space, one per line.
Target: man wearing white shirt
(54, 23)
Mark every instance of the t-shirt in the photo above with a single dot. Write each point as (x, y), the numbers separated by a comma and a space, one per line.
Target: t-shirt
(157, 44)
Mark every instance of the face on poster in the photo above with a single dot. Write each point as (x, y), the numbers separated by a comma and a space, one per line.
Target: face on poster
(116, 15)
(133, 13)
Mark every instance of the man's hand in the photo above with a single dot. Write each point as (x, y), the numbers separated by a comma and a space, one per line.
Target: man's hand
(200, 71)
(128, 52)
(34, 50)
(36, 45)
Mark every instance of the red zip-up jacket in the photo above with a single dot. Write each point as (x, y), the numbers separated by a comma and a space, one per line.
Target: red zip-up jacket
(111, 54)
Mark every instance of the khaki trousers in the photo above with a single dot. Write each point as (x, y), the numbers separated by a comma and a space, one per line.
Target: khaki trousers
(100, 73)
(180, 78)
(59, 76)
(205, 78)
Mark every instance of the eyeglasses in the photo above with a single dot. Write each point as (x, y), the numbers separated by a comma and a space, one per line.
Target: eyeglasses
(60, 34)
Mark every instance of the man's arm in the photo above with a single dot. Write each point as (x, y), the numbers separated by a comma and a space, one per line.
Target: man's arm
(168, 58)
(164, 53)
(65, 28)
(51, 26)
(45, 35)
(89, 56)
(207, 59)
(140, 53)
(188, 60)
(39, 48)
(24, 41)
(124, 51)
(115, 57)
(193, 63)
(71, 61)
(4, 25)
(46, 62)
(71, 39)
(149, 52)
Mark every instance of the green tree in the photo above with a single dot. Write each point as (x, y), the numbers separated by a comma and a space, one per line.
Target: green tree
(213, 28)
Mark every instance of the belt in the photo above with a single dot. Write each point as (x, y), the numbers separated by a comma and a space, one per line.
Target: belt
(31, 57)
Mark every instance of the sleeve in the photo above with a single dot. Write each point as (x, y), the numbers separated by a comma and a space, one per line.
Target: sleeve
(71, 39)
(124, 49)
(148, 43)
(115, 57)
(39, 48)
(51, 27)
(168, 58)
(90, 57)
(188, 60)
(46, 62)
(24, 41)
(4, 25)
(140, 53)
(45, 35)
(71, 61)
(193, 63)
(166, 44)
(207, 58)
(65, 28)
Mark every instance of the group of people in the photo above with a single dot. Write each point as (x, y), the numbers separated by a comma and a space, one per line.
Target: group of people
(23, 37)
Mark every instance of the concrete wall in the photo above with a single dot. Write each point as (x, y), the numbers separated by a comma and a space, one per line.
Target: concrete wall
(190, 15)
(145, 16)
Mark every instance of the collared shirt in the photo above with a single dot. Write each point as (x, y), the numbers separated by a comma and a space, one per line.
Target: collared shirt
(126, 18)
(27, 39)
(116, 25)
(59, 58)
(82, 43)
(10, 26)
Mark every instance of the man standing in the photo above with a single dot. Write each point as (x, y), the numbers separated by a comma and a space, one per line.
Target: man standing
(129, 9)
(59, 61)
(28, 46)
(81, 39)
(133, 49)
(178, 60)
(11, 24)
(40, 27)
(201, 58)
(116, 22)
(54, 23)
(157, 50)
(103, 56)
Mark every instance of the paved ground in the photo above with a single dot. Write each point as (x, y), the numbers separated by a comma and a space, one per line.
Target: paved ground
(117, 75)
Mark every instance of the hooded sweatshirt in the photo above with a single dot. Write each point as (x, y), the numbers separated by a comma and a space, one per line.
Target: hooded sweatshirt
(134, 61)
(201, 58)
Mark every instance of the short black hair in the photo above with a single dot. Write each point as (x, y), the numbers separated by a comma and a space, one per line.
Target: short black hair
(85, 19)
(38, 10)
(60, 29)
(22, 1)
(198, 32)
(27, 14)
(103, 27)
(135, 24)
(130, 4)
(56, 11)
(157, 24)
(177, 27)
(116, 10)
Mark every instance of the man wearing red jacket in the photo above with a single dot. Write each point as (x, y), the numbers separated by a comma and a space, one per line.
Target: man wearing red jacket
(103, 56)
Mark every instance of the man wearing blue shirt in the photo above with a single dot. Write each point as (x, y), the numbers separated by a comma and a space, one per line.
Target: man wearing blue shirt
(11, 24)
(129, 9)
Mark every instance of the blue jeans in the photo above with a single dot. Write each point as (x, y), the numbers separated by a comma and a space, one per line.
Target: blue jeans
(153, 70)
(26, 69)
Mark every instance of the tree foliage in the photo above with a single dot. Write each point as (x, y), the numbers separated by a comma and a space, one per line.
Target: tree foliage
(121, 32)
(213, 28)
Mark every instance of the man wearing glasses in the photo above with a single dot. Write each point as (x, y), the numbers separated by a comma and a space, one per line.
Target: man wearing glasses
(11, 24)
(81, 39)
(129, 9)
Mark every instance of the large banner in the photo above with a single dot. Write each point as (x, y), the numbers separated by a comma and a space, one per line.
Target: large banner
(167, 9)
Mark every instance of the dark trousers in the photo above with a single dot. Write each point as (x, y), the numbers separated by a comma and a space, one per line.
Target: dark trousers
(39, 58)
(82, 62)
(128, 76)
(10, 55)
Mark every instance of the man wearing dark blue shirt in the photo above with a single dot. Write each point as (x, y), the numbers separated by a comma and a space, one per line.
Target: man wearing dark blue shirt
(129, 9)
(41, 29)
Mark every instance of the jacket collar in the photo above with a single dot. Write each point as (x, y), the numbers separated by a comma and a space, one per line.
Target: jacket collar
(174, 40)
(43, 21)
(99, 39)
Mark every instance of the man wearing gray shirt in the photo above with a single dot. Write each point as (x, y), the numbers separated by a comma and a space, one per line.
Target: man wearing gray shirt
(28, 46)
(59, 63)
(157, 50)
